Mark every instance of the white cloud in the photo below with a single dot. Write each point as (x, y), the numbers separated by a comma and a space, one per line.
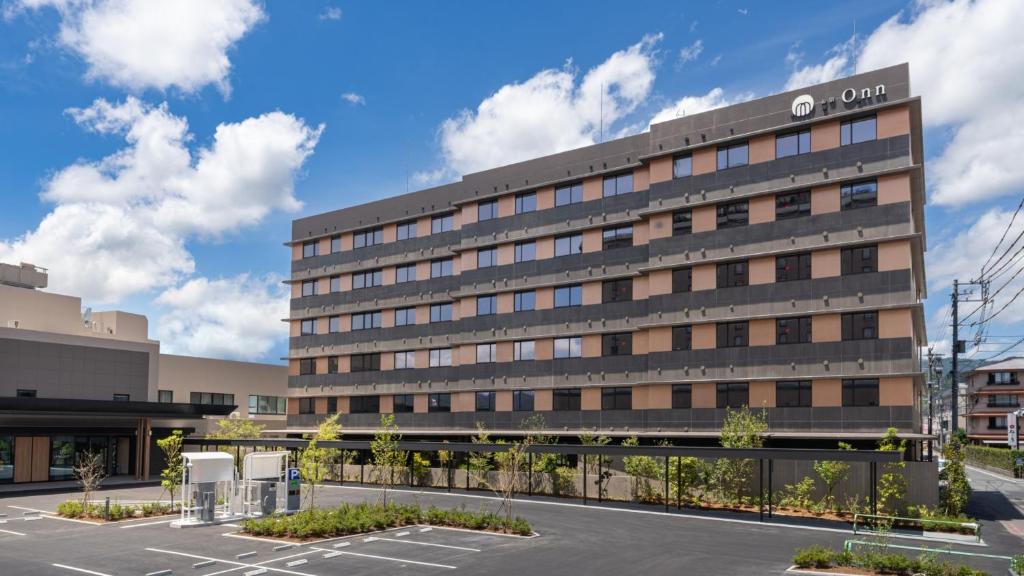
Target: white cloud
(549, 112)
(743, 11)
(237, 317)
(136, 44)
(354, 99)
(120, 224)
(330, 13)
(838, 64)
(690, 105)
(691, 52)
(431, 177)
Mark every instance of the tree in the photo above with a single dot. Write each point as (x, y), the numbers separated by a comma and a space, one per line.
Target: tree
(832, 472)
(957, 491)
(315, 461)
(892, 486)
(598, 462)
(90, 470)
(481, 462)
(641, 469)
(236, 429)
(171, 476)
(386, 456)
(741, 428)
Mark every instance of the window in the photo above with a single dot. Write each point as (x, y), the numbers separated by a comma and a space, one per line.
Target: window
(732, 274)
(334, 324)
(525, 300)
(332, 364)
(335, 244)
(565, 399)
(485, 401)
(620, 344)
(620, 290)
(405, 360)
(267, 404)
(860, 392)
(121, 397)
(682, 222)
(165, 396)
(365, 362)
(405, 273)
(523, 350)
(441, 268)
(732, 156)
(618, 237)
(307, 366)
(859, 260)
(26, 393)
(522, 400)
(857, 131)
(617, 398)
(568, 244)
(997, 422)
(367, 279)
(211, 398)
(620, 184)
(571, 347)
(405, 316)
(732, 395)
(793, 394)
(526, 202)
(310, 249)
(1001, 378)
(526, 251)
(307, 327)
(682, 166)
(439, 402)
(487, 210)
(309, 288)
(569, 194)
(793, 330)
(441, 312)
(682, 280)
(860, 326)
(307, 405)
(792, 205)
(568, 296)
(1003, 401)
(364, 404)
(486, 257)
(732, 215)
(682, 396)
(369, 237)
(403, 403)
(440, 357)
(793, 144)
(366, 320)
(858, 195)
(682, 337)
(732, 334)
(486, 305)
(793, 267)
(335, 283)
(406, 230)
(486, 353)
(443, 223)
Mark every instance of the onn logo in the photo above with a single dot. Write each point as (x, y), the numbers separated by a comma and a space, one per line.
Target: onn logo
(803, 105)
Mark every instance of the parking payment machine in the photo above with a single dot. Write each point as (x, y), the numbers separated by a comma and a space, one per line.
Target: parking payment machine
(294, 489)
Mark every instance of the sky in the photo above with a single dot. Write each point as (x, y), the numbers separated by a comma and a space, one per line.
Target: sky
(155, 153)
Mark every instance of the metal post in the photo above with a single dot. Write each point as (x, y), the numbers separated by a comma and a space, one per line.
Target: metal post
(874, 488)
(760, 489)
(600, 496)
(771, 466)
(449, 471)
(106, 508)
(362, 464)
(679, 482)
(467, 472)
(585, 480)
(666, 484)
(529, 481)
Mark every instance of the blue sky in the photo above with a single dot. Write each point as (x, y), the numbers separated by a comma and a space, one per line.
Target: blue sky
(375, 98)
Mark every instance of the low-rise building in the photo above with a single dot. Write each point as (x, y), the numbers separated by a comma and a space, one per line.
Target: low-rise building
(995, 392)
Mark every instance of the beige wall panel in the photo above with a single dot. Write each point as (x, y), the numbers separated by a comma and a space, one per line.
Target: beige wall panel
(641, 179)
(824, 135)
(896, 391)
(659, 339)
(507, 205)
(659, 282)
(894, 188)
(704, 218)
(893, 122)
(895, 323)
(387, 404)
(545, 248)
(545, 198)
(590, 399)
(545, 298)
(762, 270)
(704, 277)
(543, 349)
(762, 209)
(827, 392)
(661, 169)
(593, 188)
(825, 263)
(762, 395)
(591, 345)
(703, 395)
(592, 240)
(503, 401)
(660, 225)
(762, 332)
(825, 199)
(419, 403)
(703, 336)
(705, 160)
(543, 400)
(826, 328)
(894, 255)
(591, 293)
(762, 148)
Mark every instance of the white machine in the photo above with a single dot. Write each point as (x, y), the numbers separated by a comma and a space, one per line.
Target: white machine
(263, 483)
(208, 488)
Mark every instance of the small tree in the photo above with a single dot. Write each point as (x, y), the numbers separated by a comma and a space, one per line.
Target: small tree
(641, 469)
(892, 486)
(957, 491)
(90, 470)
(387, 458)
(170, 477)
(315, 461)
(832, 472)
(742, 428)
(598, 462)
(236, 429)
(481, 462)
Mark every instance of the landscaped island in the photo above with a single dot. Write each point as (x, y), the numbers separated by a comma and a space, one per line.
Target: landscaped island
(877, 561)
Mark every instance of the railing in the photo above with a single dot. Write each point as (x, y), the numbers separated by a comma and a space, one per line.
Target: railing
(890, 521)
(849, 545)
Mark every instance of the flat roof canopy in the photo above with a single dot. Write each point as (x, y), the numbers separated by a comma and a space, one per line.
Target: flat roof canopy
(76, 407)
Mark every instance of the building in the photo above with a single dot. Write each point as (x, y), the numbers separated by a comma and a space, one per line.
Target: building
(994, 393)
(768, 254)
(73, 381)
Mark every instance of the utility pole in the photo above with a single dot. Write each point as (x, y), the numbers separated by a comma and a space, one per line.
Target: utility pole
(931, 396)
(953, 424)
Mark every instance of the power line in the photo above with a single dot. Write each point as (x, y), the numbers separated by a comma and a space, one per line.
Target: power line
(1005, 350)
(1003, 237)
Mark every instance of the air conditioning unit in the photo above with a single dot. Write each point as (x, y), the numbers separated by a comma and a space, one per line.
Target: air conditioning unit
(13, 323)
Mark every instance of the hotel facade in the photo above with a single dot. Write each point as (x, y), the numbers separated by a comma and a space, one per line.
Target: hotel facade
(767, 254)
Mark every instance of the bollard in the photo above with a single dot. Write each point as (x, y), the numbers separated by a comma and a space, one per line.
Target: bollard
(106, 509)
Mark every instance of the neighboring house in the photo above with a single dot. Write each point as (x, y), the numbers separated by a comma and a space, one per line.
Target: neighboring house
(994, 391)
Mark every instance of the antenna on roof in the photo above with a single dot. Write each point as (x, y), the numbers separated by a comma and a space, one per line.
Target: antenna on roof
(601, 137)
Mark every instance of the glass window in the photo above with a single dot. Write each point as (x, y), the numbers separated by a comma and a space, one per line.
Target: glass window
(307, 327)
(792, 205)
(405, 316)
(571, 347)
(364, 404)
(620, 344)
(526, 251)
(165, 395)
(568, 296)
(569, 194)
(405, 273)
(335, 244)
(682, 222)
(441, 312)
(858, 195)
(367, 279)
(335, 283)
(485, 401)
(522, 400)
(443, 223)
(26, 393)
(732, 395)
(526, 202)
(732, 274)
(682, 396)
(369, 237)
(620, 184)
(793, 330)
(568, 244)
(406, 230)
(523, 350)
(309, 288)
(732, 156)
(307, 366)
(732, 334)
(440, 357)
(486, 305)
(1001, 378)
(121, 397)
(62, 458)
(565, 399)
(793, 144)
(620, 290)
(682, 166)
(860, 392)
(617, 398)
(682, 337)
(793, 267)
(405, 360)
(403, 403)
(365, 362)
(486, 353)
(307, 406)
(439, 402)
(487, 210)
(732, 214)
(267, 404)
(310, 249)
(859, 260)
(441, 268)
(486, 257)
(618, 237)
(682, 280)
(334, 324)
(793, 394)
(857, 131)
(860, 326)
(997, 422)
(525, 300)
(332, 364)
(366, 320)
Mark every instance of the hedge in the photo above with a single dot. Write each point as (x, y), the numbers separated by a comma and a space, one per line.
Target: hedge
(1001, 458)
(878, 561)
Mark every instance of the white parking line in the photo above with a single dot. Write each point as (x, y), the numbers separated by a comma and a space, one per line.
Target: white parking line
(12, 532)
(428, 544)
(82, 570)
(239, 564)
(402, 560)
(148, 523)
(52, 516)
(308, 552)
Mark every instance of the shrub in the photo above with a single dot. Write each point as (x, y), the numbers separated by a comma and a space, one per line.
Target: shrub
(813, 557)
(879, 561)
(1001, 458)
(1017, 563)
(564, 481)
(799, 495)
(70, 508)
